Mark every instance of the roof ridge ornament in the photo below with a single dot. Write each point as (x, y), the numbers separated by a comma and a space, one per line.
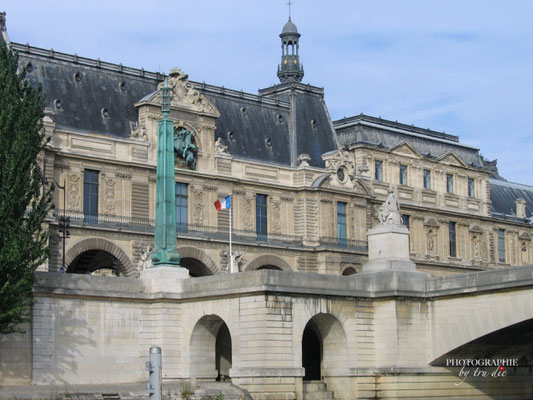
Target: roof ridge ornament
(289, 3)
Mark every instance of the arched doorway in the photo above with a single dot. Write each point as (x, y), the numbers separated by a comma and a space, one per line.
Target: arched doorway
(96, 262)
(196, 267)
(311, 353)
(324, 348)
(210, 354)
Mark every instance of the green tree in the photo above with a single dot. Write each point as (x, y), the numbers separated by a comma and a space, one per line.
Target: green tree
(24, 200)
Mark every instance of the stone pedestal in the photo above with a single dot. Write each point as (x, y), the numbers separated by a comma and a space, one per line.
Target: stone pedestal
(165, 278)
(388, 249)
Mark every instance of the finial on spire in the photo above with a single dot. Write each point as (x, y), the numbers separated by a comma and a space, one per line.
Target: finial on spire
(289, 3)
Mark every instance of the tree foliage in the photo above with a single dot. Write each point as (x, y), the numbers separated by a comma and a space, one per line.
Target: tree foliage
(24, 201)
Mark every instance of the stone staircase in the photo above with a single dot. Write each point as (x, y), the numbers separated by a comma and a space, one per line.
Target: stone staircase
(316, 390)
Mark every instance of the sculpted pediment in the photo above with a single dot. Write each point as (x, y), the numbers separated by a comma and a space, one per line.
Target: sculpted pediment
(184, 95)
(406, 150)
(339, 159)
(452, 159)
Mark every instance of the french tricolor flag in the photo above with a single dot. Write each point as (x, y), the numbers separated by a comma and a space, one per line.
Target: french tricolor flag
(221, 204)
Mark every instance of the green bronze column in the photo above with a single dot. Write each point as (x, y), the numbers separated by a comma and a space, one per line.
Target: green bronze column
(165, 213)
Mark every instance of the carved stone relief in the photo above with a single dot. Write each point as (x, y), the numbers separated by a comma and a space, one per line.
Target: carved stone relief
(109, 196)
(198, 207)
(238, 259)
(341, 158)
(73, 195)
(142, 252)
(276, 208)
(248, 222)
(184, 94)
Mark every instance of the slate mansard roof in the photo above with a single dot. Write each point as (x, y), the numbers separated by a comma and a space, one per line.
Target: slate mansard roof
(364, 129)
(503, 195)
(80, 90)
(94, 96)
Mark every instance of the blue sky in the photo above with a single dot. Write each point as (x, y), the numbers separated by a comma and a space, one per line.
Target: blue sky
(459, 66)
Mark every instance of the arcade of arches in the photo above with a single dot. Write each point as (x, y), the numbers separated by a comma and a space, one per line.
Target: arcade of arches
(101, 262)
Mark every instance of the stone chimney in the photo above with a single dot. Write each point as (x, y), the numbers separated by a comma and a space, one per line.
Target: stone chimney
(520, 208)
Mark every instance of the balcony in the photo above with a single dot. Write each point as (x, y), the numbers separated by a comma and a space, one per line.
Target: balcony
(192, 231)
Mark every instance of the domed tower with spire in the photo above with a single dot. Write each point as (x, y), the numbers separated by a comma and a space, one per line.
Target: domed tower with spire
(290, 70)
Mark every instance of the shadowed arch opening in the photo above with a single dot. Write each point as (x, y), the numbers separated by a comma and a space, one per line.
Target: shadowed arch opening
(196, 268)
(94, 254)
(272, 267)
(512, 342)
(197, 262)
(210, 355)
(96, 262)
(312, 353)
(268, 261)
(324, 347)
(349, 271)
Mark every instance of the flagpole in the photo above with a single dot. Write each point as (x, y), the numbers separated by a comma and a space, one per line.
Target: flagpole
(230, 250)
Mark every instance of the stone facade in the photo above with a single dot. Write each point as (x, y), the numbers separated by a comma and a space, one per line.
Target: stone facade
(305, 192)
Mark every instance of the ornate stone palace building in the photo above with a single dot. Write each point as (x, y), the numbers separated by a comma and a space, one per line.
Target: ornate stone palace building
(305, 189)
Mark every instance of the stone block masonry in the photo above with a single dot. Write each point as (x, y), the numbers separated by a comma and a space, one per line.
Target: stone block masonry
(365, 336)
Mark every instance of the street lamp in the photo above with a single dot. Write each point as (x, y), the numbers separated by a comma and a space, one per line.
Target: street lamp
(64, 221)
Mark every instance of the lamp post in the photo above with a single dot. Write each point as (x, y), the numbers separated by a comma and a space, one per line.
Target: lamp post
(64, 221)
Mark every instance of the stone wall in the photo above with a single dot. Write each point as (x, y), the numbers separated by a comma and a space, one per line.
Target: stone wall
(378, 332)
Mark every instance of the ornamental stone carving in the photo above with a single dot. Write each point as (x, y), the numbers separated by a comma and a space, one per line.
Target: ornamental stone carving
(109, 196)
(73, 196)
(238, 259)
(248, 224)
(303, 160)
(476, 247)
(184, 95)
(144, 260)
(220, 148)
(276, 207)
(431, 241)
(198, 207)
(138, 130)
(389, 212)
(341, 158)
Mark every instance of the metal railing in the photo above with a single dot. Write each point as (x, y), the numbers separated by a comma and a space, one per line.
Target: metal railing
(338, 243)
(78, 218)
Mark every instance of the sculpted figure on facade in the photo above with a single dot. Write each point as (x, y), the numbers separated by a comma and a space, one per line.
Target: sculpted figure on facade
(431, 241)
(144, 261)
(475, 247)
(220, 148)
(184, 147)
(185, 95)
(389, 212)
